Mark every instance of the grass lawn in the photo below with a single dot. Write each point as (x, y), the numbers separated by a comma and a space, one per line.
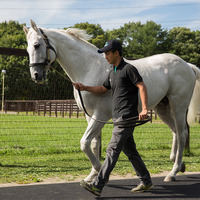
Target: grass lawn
(34, 148)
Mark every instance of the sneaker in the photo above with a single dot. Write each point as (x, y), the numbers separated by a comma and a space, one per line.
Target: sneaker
(91, 188)
(142, 188)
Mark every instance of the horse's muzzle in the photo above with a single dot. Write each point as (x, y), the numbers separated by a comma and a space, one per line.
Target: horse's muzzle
(38, 74)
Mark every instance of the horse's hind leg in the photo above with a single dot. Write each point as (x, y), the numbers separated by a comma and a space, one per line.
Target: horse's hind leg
(178, 109)
(182, 133)
(164, 112)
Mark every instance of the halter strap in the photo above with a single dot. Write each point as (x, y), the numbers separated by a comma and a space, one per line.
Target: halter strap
(48, 47)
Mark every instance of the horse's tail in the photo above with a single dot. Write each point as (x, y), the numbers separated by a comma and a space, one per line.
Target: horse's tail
(195, 100)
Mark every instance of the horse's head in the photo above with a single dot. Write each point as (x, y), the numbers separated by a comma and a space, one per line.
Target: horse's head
(41, 53)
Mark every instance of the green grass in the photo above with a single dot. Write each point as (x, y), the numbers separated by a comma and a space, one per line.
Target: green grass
(34, 148)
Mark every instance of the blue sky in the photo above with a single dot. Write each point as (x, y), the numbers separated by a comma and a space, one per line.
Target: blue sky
(109, 14)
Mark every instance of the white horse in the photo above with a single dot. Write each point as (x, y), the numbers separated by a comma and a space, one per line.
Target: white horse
(173, 86)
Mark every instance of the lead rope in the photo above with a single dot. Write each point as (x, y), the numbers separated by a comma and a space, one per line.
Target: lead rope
(129, 122)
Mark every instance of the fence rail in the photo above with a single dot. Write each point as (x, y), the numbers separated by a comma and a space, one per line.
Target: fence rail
(44, 107)
(57, 108)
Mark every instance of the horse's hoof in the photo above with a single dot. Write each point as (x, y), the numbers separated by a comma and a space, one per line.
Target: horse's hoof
(169, 179)
(183, 167)
(83, 180)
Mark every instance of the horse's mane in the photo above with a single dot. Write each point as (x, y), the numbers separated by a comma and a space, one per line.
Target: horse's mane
(78, 33)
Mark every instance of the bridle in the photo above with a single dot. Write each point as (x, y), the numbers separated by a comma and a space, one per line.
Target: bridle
(47, 61)
(130, 122)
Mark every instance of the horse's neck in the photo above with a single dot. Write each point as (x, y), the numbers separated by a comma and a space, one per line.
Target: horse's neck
(80, 60)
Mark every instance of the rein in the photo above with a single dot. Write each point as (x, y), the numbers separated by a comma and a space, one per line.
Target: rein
(129, 122)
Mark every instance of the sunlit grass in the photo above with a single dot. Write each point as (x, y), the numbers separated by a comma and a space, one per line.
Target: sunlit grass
(34, 148)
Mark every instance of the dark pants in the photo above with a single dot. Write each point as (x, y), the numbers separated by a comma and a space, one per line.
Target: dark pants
(122, 140)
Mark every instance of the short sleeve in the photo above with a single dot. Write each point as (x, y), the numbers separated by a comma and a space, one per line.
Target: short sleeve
(106, 83)
(134, 74)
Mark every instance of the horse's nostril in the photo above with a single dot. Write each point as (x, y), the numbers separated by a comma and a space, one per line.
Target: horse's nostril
(36, 76)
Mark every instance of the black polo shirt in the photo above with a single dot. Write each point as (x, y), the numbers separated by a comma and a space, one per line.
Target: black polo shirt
(123, 82)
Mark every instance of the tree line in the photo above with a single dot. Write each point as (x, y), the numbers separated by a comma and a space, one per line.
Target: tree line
(139, 40)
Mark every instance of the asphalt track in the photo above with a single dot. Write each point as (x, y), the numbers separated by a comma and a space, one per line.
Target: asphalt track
(185, 187)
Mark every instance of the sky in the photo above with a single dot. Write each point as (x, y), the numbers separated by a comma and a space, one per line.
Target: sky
(110, 14)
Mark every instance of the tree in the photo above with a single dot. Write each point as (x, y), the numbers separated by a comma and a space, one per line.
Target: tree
(99, 36)
(196, 55)
(185, 43)
(120, 35)
(11, 35)
(18, 83)
(141, 40)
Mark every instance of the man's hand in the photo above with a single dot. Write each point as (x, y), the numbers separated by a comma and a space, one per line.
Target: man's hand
(79, 86)
(143, 114)
(93, 89)
(144, 99)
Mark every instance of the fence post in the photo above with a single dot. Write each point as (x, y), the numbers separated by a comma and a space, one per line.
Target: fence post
(187, 144)
(151, 114)
(26, 107)
(50, 109)
(38, 108)
(77, 110)
(66, 108)
(56, 110)
(62, 108)
(18, 107)
(70, 109)
(34, 108)
(45, 109)
(6, 105)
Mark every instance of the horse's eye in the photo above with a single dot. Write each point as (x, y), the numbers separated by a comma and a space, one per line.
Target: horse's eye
(36, 45)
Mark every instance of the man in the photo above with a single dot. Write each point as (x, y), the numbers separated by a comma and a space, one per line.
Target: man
(124, 81)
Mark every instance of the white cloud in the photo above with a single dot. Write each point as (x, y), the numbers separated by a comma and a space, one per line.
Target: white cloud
(109, 13)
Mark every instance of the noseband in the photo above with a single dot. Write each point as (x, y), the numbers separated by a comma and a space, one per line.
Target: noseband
(48, 48)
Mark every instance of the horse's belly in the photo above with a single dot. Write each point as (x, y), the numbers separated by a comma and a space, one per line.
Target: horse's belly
(157, 89)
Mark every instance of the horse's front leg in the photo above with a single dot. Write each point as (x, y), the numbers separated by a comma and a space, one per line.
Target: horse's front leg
(92, 134)
(95, 147)
(174, 148)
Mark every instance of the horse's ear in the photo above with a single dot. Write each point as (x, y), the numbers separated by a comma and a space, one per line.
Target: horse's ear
(25, 30)
(34, 26)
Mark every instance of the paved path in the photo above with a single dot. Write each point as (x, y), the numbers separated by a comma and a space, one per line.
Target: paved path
(185, 187)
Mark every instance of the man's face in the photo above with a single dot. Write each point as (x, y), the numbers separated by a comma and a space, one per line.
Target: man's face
(111, 57)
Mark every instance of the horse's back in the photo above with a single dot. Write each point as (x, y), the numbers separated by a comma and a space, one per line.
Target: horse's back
(165, 75)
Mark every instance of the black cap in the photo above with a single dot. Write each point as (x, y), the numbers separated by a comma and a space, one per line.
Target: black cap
(111, 44)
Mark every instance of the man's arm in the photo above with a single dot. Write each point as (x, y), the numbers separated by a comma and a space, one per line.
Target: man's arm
(144, 100)
(93, 89)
